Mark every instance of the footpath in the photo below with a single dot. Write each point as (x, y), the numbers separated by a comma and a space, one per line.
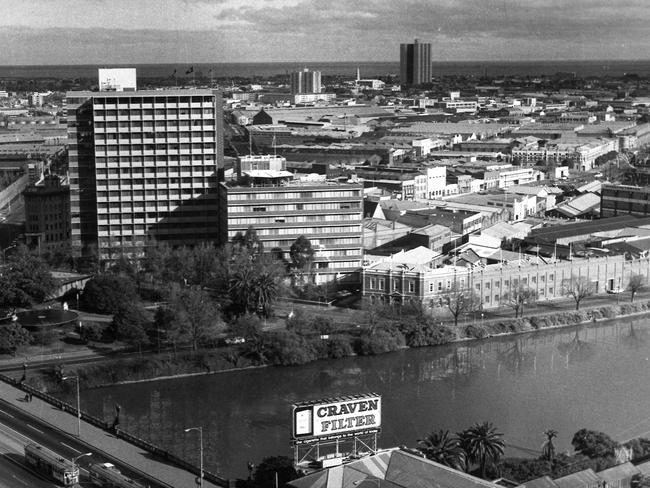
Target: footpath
(101, 441)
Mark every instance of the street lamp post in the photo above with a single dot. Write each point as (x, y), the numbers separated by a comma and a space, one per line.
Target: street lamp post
(200, 429)
(76, 378)
(75, 459)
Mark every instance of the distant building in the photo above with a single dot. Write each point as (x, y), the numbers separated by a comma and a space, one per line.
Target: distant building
(47, 215)
(281, 210)
(415, 63)
(305, 81)
(624, 199)
(143, 164)
(117, 79)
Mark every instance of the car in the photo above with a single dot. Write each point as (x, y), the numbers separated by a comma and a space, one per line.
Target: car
(235, 340)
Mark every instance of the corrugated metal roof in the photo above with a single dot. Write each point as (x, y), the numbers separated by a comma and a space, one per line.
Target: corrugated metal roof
(617, 473)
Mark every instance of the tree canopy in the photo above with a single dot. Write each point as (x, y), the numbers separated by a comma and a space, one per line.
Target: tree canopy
(26, 280)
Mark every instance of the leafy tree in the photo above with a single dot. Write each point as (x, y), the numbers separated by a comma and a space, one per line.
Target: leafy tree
(246, 326)
(578, 288)
(520, 297)
(26, 281)
(593, 444)
(255, 284)
(548, 448)
(106, 293)
(441, 447)
(270, 467)
(249, 241)
(129, 324)
(12, 337)
(198, 316)
(461, 301)
(482, 444)
(635, 284)
(302, 255)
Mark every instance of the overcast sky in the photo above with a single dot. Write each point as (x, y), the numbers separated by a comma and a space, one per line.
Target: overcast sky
(214, 31)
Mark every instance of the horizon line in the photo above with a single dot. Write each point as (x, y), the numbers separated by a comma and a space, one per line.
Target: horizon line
(333, 62)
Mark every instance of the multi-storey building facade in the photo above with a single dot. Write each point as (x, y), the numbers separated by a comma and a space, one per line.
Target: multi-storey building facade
(624, 199)
(47, 215)
(143, 164)
(388, 282)
(415, 63)
(305, 81)
(330, 215)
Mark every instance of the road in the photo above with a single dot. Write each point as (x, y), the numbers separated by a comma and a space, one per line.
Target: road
(13, 472)
(18, 429)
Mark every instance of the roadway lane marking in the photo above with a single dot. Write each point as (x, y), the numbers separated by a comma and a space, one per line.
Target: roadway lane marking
(70, 447)
(18, 479)
(7, 414)
(37, 430)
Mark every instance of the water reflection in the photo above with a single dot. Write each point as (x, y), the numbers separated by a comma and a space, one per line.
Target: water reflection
(594, 376)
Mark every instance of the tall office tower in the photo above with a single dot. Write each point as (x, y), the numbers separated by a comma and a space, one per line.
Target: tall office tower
(415, 63)
(143, 164)
(305, 81)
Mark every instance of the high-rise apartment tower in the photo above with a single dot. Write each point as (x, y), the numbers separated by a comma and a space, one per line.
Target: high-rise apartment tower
(305, 81)
(415, 63)
(143, 164)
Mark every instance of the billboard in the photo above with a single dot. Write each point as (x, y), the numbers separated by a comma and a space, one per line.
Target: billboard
(336, 417)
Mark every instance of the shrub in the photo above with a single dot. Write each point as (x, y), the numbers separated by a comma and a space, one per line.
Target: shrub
(288, 348)
(339, 347)
(386, 339)
(423, 334)
(475, 331)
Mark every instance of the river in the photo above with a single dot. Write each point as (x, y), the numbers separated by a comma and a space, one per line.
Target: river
(595, 376)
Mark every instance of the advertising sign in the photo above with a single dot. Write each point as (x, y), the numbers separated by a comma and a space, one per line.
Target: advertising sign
(336, 417)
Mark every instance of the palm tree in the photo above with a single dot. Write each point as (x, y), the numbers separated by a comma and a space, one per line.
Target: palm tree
(482, 444)
(548, 449)
(442, 448)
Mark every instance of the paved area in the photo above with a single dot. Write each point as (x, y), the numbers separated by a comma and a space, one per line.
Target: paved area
(101, 440)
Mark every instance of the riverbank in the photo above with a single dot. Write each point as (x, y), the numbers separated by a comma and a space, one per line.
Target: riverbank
(289, 348)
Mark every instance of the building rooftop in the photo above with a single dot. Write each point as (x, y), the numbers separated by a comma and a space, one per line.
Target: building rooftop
(581, 479)
(139, 93)
(551, 234)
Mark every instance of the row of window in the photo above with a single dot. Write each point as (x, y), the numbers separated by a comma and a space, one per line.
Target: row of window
(168, 99)
(334, 229)
(255, 221)
(151, 160)
(286, 243)
(130, 195)
(295, 206)
(442, 285)
(300, 195)
(151, 172)
(158, 112)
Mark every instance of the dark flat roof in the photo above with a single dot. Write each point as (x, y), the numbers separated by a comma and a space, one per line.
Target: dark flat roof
(581, 228)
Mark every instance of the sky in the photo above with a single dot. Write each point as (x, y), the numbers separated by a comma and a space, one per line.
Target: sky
(34, 32)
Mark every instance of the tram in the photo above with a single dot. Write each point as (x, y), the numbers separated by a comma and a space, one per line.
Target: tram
(52, 464)
(107, 475)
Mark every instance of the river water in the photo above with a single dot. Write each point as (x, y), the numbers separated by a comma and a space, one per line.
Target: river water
(595, 376)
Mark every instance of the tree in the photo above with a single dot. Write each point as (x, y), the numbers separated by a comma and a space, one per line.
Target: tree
(249, 241)
(302, 255)
(27, 280)
(106, 293)
(129, 323)
(578, 288)
(519, 297)
(198, 316)
(548, 449)
(482, 444)
(461, 301)
(12, 337)
(635, 284)
(255, 284)
(593, 444)
(247, 326)
(441, 447)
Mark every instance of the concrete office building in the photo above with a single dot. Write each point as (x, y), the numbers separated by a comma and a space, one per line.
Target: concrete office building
(281, 209)
(143, 164)
(624, 200)
(47, 215)
(305, 81)
(415, 63)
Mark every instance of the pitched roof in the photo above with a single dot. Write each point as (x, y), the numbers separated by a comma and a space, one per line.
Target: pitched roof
(617, 473)
(581, 479)
(543, 482)
(391, 469)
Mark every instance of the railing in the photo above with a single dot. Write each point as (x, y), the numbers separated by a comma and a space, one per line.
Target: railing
(120, 434)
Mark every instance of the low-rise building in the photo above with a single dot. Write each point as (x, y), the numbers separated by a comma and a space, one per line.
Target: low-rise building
(47, 215)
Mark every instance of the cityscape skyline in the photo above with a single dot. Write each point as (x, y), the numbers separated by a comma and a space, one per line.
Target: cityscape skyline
(74, 32)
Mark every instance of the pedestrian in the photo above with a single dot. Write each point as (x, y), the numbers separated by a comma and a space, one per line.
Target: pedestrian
(26, 397)
(31, 396)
